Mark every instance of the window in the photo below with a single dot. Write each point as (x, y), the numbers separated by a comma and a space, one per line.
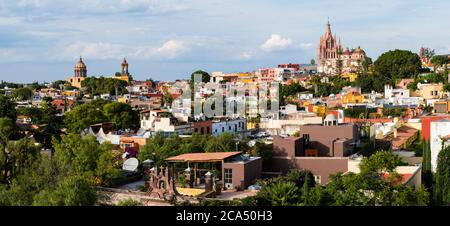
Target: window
(318, 179)
(228, 176)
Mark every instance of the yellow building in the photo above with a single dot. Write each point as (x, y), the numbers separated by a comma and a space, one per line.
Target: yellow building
(431, 91)
(123, 78)
(319, 110)
(80, 74)
(124, 75)
(70, 93)
(351, 77)
(124, 100)
(352, 98)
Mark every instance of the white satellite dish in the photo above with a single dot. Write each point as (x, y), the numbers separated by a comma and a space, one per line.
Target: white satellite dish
(131, 165)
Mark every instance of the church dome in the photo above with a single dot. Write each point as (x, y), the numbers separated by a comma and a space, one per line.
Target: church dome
(359, 51)
(80, 64)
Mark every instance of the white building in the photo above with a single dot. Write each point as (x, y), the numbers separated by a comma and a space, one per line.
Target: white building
(163, 121)
(439, 136)
(230, 126)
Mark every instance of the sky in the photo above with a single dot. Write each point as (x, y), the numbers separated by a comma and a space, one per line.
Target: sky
(41, 40)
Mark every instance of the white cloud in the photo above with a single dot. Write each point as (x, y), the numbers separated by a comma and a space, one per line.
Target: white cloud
(100, 50)
(246, 55)
(306, 46)
(172, 48)
(276, 42)
(13, 55)
(10, 20)
(105, 50)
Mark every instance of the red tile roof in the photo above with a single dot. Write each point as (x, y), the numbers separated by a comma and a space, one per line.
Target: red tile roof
(203, 157)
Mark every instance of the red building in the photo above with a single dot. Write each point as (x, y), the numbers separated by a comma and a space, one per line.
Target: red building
(426, 122)
(202, 127)
(293, 66)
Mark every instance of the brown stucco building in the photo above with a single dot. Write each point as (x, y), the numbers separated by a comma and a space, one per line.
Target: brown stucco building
(237, 171)
(323, 150)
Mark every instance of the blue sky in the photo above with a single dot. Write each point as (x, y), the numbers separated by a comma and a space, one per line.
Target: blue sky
(40, 40)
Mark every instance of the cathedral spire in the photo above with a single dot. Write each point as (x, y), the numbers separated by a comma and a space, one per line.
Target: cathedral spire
(328, 31)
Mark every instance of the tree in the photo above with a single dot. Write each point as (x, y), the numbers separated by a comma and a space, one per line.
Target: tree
(380, 163)
(339, 66)
(427, 176)
(84, 156)
(313, 62)
(397, 64)
(7, 108)
(50, 124)
(121, 115)
(129, 202)
(439, 61)
(265, 151)
(205, 76)
(72, 191)
(102, 85)
(442, 178)
(278, 193)
(225, 142)
(158, 148)
(22, 94)
(57, 84)
(84, 115)
(15, 157)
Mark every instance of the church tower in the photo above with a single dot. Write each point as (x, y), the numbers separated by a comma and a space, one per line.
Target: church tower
(125, 67)
(329, 50)
(80, 73)
(80, 69)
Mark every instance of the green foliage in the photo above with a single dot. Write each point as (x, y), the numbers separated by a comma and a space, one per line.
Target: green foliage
(84, 156)
(327, 88)
(380, 162)
(49, 123)
(129, 202)
(102, 85)
(397, 64)
(71, 191)
(205, 76)
(439, 61)
(290, 90)
(158, 148)
(224, 143)
(394, 112)
(121, 115)
(265, 151)
(6, 129)
(82, 116)
(280, 194)
(56, 84)
(182, 180)
(16, 156)
(370, 82)
(359, 113)
(23, 94)
(427, 79)
(7, 108)
(442, 178)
